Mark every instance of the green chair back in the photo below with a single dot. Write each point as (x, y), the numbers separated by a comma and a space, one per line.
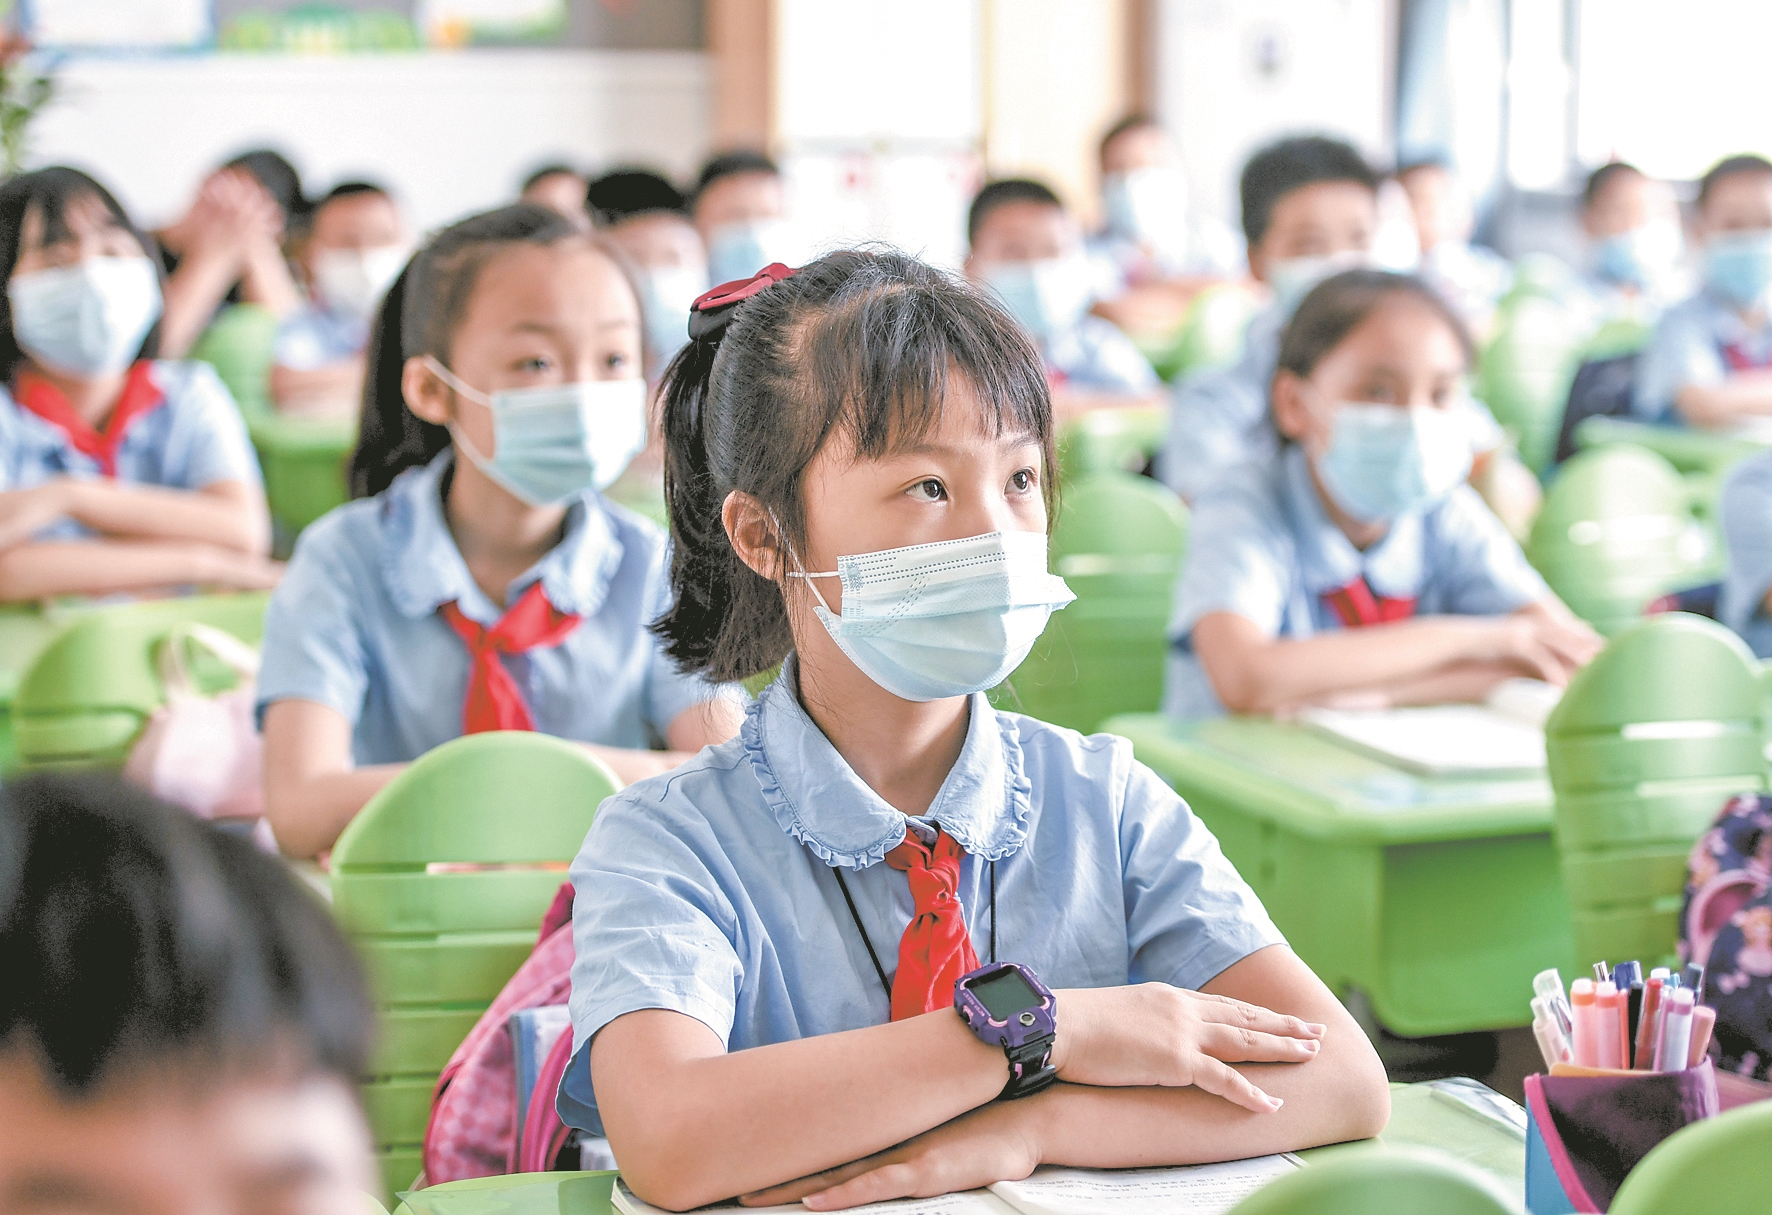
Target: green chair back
(1648, 742)
(304, 462)
(1527, 367)
(1109, 440)
(25, 629)
(441, 882)
(1619, 336)
(1718, 1166)
(1118, 543)
(1382, 1181)
(88, 693)
(239, 344)
(1210, 334)
(1616, 531)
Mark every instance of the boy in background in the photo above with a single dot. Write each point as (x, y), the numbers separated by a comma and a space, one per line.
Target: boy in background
(740, 207)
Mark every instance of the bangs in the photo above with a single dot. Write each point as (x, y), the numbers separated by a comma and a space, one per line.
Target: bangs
(52, 193)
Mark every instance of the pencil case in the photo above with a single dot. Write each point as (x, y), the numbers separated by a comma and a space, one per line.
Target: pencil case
(1585, 1132)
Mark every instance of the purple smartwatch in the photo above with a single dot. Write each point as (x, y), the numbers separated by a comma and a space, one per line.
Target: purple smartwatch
(1006, 1005)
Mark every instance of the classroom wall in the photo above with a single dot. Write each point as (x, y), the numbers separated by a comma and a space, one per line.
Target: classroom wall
(451, 132)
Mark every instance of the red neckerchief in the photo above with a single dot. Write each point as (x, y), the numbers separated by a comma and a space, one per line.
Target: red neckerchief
(141, 396)
(1356, 606)
(935, 951)
(493, 700)
(1736, 355)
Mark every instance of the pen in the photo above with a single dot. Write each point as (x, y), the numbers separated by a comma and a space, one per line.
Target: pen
(1608, 1007)
(1676, 1036)
(1704, 1020)
(1601, 973)
(1542, 1015)
(1550, 1043)
(1693, 977)
(1646, 1035)
(1549, 984)
(1586, 1016)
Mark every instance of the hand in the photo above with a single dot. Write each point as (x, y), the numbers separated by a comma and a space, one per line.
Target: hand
(992, 1143)
(234, 570)
(1156, 1034)
(1544, 645)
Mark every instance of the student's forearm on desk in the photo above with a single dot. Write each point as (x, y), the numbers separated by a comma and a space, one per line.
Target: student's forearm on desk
(229, 514)
(109, 567)
(312, 788)
(1746, 394)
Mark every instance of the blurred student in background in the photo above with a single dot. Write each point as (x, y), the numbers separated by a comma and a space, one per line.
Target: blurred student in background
(1027, 248)
(1473, 277)
(1710, 361)
(1356, 568)
(119, 471)
(182, 1028)
(647, 218)
(357, 244)
(1745, 507)
(486, 583)
(740, 207)
(1634, 244)
(228, 247)
(1310, 209)
(561, 189)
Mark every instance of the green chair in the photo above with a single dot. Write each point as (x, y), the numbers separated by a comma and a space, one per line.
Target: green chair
(25, 628)
(304, 462)
(239, 344)
(1619, 336)
(1382, 1181)
(1617, 531)
(1526, 369)
(1110, 440)
(1210, 333)
(90, 690)
(1647, 743)
(1719, 1166)
(441, 882)
(1118, 542)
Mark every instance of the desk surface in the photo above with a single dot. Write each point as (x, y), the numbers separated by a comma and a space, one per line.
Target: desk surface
(1314, 785)
(1687, 449)
(1420, 1117)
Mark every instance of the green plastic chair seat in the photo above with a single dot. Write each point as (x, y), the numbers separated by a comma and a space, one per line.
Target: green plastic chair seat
(1719, 1166)
(1382, 1181)
(304, 462)
(1109, 440)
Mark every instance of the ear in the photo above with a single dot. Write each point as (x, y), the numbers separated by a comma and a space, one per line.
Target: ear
(752, 533)
(427, 396)
(1257, 263)
(1291, 410)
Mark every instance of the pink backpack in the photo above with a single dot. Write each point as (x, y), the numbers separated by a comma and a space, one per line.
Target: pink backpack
(473, 1130)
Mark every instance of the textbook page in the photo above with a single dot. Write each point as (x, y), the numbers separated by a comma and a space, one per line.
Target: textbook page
(972, 1202)
(1439, 740)
(1201, 1189)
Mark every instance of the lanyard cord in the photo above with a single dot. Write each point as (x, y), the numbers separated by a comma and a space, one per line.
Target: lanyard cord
(874, 957)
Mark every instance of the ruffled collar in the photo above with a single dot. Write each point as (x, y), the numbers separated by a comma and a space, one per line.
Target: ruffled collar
(818, 799)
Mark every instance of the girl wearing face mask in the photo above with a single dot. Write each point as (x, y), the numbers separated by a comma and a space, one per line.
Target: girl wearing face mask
(857, 461)
(1357, 568)
(483, 582)
(118, 471)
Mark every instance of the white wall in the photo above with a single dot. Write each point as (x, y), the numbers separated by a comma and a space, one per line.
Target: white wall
(452, 133)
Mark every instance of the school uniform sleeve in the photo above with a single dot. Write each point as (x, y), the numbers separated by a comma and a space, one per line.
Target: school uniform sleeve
(210, 434)
(1681, 353)
(1478, 566)
(313, 645)
(1238, 560)
(1746, 510)
(1189, 914)
(1111, 362)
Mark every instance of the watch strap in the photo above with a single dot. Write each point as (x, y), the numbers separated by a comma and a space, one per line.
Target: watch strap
(1030, 1068)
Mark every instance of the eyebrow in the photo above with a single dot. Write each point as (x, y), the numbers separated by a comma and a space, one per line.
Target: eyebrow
(1005, 441)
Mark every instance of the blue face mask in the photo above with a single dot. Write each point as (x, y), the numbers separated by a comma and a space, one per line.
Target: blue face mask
(666, 294)
(1048, 297)
(556, 441)
(1738, 266)
(740, 249)
(948, 619)
(86, 319)
(1642, 257)
(1386, 461)
(1292, 278)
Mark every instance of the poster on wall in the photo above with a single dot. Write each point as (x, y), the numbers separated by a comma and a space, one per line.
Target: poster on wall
(121, 24)
(467, 22)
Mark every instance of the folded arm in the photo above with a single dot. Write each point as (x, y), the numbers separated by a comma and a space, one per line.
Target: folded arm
(35, 570)
(1744, 394)
(227, 514)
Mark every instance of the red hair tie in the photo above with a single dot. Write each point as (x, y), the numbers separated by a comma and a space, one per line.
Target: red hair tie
(713, 309)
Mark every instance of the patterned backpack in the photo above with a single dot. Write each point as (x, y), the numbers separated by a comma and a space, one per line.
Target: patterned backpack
(1726, 926)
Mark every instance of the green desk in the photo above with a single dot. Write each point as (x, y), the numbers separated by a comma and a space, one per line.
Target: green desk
(1687, 449)
(25, 628)
(304, 464)
(1420, 1117)
(1437, 897)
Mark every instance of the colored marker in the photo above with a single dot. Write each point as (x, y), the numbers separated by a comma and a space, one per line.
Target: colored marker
(1549, 984)
(1693, 977)
(1542, 1014)
(1646, 1039)
(1587, 1028)
(1676, 1036)
(1704, 1020)
(1608, 1006)
(1550, 1043)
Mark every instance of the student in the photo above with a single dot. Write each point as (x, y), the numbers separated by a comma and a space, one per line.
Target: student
(119, 471)
(228, 247)
(356, 246)
(1310, 208)
(1745, 508)
(1634, 243)
(560, 188)
(1357, 568)
(1026, 247)
(182, 1028)
(486, 584)
(740, 207)
(735, 1035)
(1709, 363)
(646, 217)
(1471, 276)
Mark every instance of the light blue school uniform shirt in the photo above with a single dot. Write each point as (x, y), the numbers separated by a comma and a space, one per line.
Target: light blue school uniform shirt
(1262, 546)
(1745, 507)
(312, 337)
(1687, 349)
(354, 626)
(709, 891)
(1218, 418)
(1095, 356)
(194, 439)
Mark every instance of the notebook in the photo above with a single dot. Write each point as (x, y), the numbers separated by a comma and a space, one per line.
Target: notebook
(1504, 737)
(1204, 1189)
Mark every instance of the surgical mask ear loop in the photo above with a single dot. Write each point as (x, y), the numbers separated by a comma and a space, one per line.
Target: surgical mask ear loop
(800, 571)
(482, 462)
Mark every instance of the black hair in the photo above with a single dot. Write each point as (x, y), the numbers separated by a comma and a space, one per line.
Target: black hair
(1434, 161)
(731, 164)
(1138, 120)
(1730, 166)
(1600, 178)
(133, 936)
(49, 193)
(546, 171)
(625, 193)
(418, 316)
(1006, 190)
(1339, 304)
(865, 343)
(351, 189)
(279, 178)
(1291, 164)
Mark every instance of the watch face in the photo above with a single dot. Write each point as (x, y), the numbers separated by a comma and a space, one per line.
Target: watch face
(1005, 993)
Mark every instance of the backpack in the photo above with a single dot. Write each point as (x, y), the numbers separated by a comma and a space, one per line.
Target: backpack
(1726, 927)
(482, 1123)
(1601, 389)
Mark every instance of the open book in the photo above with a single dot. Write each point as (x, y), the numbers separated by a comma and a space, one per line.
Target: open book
(1504, 737)
(1203, 1189)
